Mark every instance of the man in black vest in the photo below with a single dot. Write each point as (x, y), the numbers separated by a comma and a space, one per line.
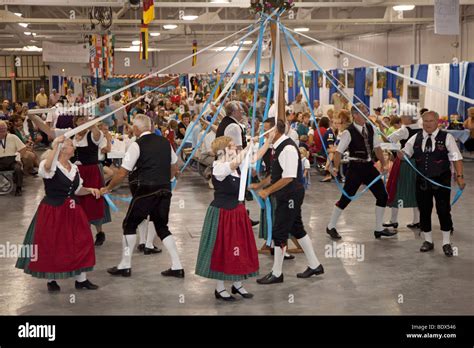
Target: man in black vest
(230, 125)
(361, 141)
(433, 150)
(151, 163)
(285, 184)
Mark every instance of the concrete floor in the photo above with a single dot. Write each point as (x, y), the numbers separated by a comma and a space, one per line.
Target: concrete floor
(394, 277)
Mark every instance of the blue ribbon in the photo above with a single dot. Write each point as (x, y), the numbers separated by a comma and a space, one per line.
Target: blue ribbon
(287, 34)
(110, 203)
(126, 199)
(267, 206)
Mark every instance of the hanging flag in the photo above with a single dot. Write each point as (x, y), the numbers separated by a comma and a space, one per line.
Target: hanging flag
(195, 48)
(96, 56)
(148, 11)
(144, 42)
(108, 57)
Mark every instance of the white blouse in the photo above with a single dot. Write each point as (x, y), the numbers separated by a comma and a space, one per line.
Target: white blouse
(222, 169)
(69, 174)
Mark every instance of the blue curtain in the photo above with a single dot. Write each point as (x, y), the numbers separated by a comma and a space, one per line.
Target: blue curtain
(453, 87)
(332, 88)
(469, 87)
(422, 74)
(391, 83)
(56, 83)
(314, 90)
(359, 87)
(293, 91)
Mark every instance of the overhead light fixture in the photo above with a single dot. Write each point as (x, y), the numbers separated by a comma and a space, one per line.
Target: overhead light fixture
(219, 1)
(190, 17)
(18, 14)
(27, 32)
(32, 49)
(170, 26)
(136, 42)
(231, 48)
(155, 34)
(247, 42)
(34, 34)
(403, 7)
(24, 25)
(301, 29)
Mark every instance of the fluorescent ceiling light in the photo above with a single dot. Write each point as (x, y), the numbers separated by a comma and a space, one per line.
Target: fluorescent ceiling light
(155, 34)
(34, 34)
(301, 29)
(403, 7)
(248, 42)
(27, 33)
(134, 49)
(24, 25)
(231, 48)
(136, 42)
(170, 26)
(18, 14)
(190, 17)
(219, 1)
(32, 49)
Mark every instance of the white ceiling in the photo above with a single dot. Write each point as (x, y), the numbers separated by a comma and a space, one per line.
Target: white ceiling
(50, 20)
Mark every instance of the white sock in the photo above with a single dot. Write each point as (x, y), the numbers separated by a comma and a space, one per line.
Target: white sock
(428, 236)
(446, 237)
(150, 236)
(82, 277)
(308, 249)
(394, 217)
(278, 261)
(416, 215)
(240, 287)
(220, 287)
(379, 218)
(128, 243)
(142, 231)
(334, 217)
(286, 253)
(170, 245)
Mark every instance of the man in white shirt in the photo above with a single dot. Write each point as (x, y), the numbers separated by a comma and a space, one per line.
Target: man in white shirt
(317, 109)
(361, 140)
(119, 112)
(299, 105)
(10, 145)
(285, 184)
(433, 151)
(152, 164)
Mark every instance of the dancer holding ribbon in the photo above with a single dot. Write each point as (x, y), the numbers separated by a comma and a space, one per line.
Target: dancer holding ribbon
(227, 250)
(433, 151)
(361, 140)
(151, 162)
(285, 184)
(60, 227)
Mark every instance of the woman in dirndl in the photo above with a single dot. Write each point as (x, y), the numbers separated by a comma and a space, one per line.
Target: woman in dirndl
(87, 145)
(58, 243)
(227, 250)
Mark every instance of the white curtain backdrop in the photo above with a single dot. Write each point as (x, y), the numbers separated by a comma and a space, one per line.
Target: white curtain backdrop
(438, 75)
(324, 93)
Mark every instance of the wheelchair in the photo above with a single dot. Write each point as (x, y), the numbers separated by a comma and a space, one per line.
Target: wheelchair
(6, 182)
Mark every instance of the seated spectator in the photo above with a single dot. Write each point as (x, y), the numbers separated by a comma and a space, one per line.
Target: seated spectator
(469, 124)
(314, 140)
(182, 127)
(29, 158)
(10, 145)
(395, 123)
(5, 110)
(455, 123)
(303, 126)
(170, 133)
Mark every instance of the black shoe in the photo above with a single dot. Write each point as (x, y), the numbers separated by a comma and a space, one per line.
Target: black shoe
(99, 239)
(86, 284)
(426, 246)
(333, 233)
(141, 247)
(417, 225)
(286, 257)
(18, 192)
(309, 272)
(149, 251)
(254, 223)
(220, 297)
(448, 250)
(385, 232)
(270, 279)
(126, 272)
(178, 273)
(244, 295)
(391, 224)
(53, 286)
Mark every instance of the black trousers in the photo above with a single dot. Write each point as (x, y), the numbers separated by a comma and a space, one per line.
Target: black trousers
(425, 192)
(155, 203)
(288, 218)
(10, 163)
(360, 173)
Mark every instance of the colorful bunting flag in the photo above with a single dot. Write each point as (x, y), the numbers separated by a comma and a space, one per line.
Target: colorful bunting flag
(195, 48)
(144, 42)
(148, 11)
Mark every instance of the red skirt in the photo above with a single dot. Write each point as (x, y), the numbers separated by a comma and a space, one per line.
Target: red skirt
(393, 180)
(64, 239)
(92, 177)
(235, 250)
